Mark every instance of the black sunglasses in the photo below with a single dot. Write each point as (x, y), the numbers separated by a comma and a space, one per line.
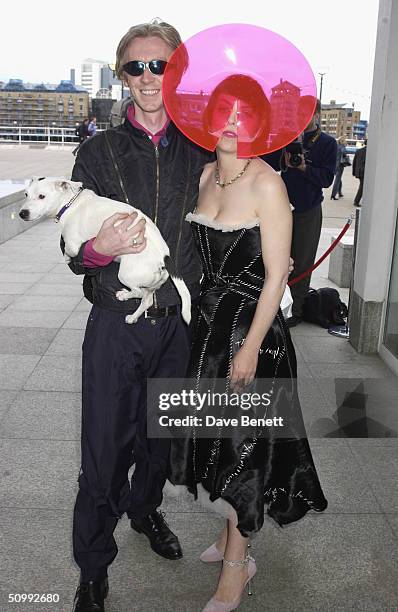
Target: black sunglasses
(136, 67)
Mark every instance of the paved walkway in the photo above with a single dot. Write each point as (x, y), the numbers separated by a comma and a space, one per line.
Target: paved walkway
(343, 559)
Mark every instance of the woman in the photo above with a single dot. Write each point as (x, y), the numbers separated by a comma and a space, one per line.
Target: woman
(342, 160)
(242, 226)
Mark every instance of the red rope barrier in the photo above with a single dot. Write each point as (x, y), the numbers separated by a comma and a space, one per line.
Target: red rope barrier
(320, 260)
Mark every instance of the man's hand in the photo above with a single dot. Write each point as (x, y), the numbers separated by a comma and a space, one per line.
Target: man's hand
(301, 167)
(115, 238)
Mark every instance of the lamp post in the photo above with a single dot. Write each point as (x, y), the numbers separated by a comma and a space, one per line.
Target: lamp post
(112, 68)
(321, 74)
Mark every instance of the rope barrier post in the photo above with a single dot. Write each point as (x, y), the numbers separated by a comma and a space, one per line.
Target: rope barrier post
(337, 330)
(343, 331)
(326, 253)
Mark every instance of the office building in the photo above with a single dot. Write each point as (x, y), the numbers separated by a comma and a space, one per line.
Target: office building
(41, 105)
(339, 120)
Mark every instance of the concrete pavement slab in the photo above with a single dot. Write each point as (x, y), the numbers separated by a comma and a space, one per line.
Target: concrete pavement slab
(5, 300)
(361, 550)
(6, 397)
(343, 482)
(83, 306)
(375, 369)
(45, 303)
(15, 369)
(307, 329)
(56, 373)
(60, 288)
(36, 557)
(67, 279)
(67, 342)
(35, 318)
(77, 320)
(379, 466)
(20, 277)
(14, 288)
(25, 341)
(330, 349)
(61, 268)
(38, 473)
(43, 415)
(25, 267)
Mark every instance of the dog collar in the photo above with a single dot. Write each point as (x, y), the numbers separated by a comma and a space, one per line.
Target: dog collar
(67, 205)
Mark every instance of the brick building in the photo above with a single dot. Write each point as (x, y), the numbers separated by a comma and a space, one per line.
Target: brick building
(27, 104)
(337, 120)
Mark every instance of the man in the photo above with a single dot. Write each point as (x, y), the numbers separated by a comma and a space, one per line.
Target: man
(304, 185)
(92, 126)
(147, 163)
(81, 133)
(358, 170)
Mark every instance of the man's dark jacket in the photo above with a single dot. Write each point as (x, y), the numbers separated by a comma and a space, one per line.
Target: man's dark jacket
(123, 164)
(358, 165)
(305, 188)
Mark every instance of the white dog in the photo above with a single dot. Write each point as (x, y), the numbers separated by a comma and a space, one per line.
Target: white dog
(81, 213)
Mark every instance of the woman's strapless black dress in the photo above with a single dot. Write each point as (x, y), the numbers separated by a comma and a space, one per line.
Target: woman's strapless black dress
(265, 469)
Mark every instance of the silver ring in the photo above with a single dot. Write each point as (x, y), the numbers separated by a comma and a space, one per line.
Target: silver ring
(135, 242)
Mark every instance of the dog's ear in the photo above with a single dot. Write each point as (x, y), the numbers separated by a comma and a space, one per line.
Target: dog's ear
(61, 185)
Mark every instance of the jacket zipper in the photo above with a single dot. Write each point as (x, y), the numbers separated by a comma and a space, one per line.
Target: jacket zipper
(155, 218)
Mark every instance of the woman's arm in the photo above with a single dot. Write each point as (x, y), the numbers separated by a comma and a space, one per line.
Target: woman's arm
(274, 212)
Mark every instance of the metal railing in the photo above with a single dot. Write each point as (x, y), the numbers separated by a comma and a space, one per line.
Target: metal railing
(45, 135)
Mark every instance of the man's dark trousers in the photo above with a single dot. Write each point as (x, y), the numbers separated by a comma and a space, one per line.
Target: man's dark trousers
(306, 233)
(358, 196)
(117, 360)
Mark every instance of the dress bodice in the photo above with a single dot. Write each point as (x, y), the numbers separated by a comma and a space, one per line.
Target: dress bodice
(231, 255)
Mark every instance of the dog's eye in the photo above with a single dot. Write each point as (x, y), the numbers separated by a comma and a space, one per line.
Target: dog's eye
(26, 195)
(41, 196)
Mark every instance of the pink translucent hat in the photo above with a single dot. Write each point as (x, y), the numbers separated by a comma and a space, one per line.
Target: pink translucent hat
(258, 72)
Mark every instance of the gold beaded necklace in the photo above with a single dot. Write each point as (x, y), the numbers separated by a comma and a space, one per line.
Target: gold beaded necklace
(222, 185)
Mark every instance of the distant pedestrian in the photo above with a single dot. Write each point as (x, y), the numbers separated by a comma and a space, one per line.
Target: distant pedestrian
(82, 130)
(81, 133)
(341, 162)
(358, 170)
(92, 126)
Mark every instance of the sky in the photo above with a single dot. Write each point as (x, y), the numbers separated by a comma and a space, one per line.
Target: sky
(40, 41)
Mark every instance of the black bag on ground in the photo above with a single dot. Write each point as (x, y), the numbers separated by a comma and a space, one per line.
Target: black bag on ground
(324, 307)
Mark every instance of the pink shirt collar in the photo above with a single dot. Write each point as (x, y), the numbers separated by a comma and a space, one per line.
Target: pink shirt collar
(154, 137)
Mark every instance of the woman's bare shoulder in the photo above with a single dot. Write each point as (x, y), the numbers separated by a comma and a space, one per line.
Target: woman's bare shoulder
(208, 170)
(265, 179)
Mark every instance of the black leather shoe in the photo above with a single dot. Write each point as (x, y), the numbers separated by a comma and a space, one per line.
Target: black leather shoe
(90, 596)
(163, 541)
(293, 321)
(333, 198)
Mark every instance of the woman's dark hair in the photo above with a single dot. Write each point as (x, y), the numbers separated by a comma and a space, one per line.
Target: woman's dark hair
(247, 89)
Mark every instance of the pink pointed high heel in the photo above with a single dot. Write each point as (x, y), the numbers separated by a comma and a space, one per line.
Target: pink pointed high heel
(215, 605)
(211, 554)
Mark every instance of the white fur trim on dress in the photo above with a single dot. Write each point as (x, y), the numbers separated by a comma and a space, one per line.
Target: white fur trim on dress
(220, 506)
(203, 220)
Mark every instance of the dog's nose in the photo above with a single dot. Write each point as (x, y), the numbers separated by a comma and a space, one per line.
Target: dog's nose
(24, 214)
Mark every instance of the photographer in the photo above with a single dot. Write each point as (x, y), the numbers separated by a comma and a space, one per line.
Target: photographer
(307, 166)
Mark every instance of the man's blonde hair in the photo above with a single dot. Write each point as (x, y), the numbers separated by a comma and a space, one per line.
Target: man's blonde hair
(156, 27)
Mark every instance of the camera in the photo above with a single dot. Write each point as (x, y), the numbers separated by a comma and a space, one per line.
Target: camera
(296, 151)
